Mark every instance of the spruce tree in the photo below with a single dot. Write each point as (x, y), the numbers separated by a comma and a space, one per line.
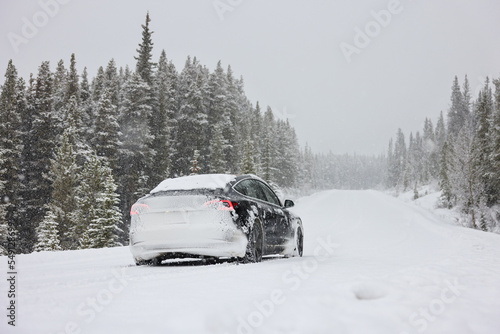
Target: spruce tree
(72, 82)
(494, 139)
(47, 234)
(38, 147)
(218, 162)
(195, 168)
(248, 166)
(88, 192)
(482, 119)
(458, 113)
(400, 157)
(135, 154)
(144, 66)
(98, 84)
(466, 176)
(111, 82)
(11, 109)
(160, 119)
(63, 204)
(191, 132)
(105, 139)
(103, 229)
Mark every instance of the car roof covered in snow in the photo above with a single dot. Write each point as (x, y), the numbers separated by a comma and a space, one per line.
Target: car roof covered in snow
(205, 181)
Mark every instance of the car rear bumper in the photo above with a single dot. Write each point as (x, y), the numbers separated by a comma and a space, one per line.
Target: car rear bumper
(209, 239)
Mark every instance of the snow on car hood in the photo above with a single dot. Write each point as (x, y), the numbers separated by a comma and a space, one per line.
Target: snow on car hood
(206, 181)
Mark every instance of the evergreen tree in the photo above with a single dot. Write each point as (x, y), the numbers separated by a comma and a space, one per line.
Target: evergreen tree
(144, 65)
(391, 166)
(494, 139)
(72, 82)
(458, 113)
(38, 146)
(103, 229)
(248, 166)
(191, 118)
(466, 176)
(400, 159)
(11, 108)
(111, 82)
(86, 106)
(159, 124)
(218, 162)
(88, 191)
(195, 168)
(63, 204)
(440, 132)
(59, 86)
(135, 152)
(105, 140)
(447, 198)
(98, 84)
(47, 234)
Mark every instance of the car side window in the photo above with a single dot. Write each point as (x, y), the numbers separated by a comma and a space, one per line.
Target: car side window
(251, 188)
(242, 187)
(270, 195)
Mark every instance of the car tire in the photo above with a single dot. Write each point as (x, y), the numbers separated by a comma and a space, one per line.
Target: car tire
(299, 243)
(255, 244)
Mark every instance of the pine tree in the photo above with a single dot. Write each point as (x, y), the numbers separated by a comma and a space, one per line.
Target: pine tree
(38, 146)
(248, 166)
(135, 154)
(11, 108)
(103, 228)
(72, 82)
(459, 111)
(391, 166)
(88, 192)
(47, 234)
(144, 65)
(494, 139)
(63, 204)
(98, 84)
(191, 118)
(466, 175)
(105, 140)
(195, 168)
(218, 162)
(400, 156)
(160, 119)
(111, 82)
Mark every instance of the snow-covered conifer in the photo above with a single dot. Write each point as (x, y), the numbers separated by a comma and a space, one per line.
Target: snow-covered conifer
(47, 234)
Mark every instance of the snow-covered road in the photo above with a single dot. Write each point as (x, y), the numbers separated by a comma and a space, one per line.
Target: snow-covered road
(372, 264)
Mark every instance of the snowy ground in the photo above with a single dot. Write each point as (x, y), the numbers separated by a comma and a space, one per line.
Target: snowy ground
(372, 264)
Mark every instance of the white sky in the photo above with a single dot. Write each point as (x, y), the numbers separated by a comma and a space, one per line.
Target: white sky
(288, 52)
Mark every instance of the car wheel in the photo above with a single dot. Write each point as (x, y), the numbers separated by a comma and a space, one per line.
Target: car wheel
(255, 244)
(299, 247)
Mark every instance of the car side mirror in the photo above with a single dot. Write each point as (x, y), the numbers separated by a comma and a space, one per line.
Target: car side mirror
(289, 203)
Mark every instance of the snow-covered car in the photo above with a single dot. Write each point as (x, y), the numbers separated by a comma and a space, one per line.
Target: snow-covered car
(213, 216)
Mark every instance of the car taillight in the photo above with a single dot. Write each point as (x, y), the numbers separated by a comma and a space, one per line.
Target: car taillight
(221, 204)
(138, 208)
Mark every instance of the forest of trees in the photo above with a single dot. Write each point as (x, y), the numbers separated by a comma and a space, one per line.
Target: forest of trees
(461, 153)
(77, 152)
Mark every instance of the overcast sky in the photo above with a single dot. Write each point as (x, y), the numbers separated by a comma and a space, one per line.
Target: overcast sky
(345, 73)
